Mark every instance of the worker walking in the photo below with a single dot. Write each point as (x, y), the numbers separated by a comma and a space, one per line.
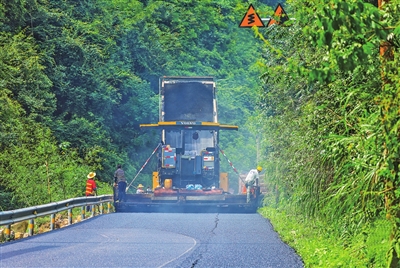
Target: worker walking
(252, 179)
(91, 188)
(120, 180)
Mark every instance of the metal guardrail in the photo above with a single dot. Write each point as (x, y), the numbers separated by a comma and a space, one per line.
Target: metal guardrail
(13, 216)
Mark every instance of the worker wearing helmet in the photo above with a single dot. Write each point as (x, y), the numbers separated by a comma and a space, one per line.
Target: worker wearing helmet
(252, 180)
(253, 177)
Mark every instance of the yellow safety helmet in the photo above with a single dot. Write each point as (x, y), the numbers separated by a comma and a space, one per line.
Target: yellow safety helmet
(140, 186)
(259, 169)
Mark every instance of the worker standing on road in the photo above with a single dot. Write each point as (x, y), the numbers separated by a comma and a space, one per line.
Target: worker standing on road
(91, 188)
(120, 180)
(252, 179)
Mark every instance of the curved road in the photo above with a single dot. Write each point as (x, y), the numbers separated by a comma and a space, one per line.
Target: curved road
(155, 240)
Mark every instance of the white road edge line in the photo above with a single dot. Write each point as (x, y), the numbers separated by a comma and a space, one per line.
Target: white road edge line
(195, 243)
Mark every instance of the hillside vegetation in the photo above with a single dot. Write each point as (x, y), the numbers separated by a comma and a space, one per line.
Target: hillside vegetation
(316, 103)
(78, 77)
(329, 114)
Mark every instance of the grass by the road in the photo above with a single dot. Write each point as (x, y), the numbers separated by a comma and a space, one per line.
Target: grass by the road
(324, 245)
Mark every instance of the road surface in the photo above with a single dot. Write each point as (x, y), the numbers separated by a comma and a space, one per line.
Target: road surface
(155, 240)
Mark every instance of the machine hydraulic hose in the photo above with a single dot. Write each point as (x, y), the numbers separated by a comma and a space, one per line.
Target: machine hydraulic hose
(230, 163)
(148, 159)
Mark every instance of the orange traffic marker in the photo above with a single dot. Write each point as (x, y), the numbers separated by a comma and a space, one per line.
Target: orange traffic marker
(251, 19)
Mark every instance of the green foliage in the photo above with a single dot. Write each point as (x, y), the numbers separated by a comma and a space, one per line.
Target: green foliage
(319, 246)
(6, 201)
(330, 127)
(22, 73)
(78, 78)
(350, 30)
(32, 166)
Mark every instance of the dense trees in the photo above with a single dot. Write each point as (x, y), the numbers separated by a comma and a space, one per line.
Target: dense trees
(78, 77)
(330, 118)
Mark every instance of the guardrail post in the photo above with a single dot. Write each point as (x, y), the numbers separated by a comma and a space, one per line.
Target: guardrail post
(31, 213)
(52, 221)
(69, 213)
(31, 226)
(70, 216)
(83, 212)
(7, 231)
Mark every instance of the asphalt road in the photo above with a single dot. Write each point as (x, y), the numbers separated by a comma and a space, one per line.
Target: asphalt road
(155, 240)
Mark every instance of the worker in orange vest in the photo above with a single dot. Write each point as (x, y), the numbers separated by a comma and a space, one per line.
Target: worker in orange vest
(91, 188)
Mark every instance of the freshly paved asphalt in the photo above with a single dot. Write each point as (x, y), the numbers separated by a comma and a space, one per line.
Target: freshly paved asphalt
(155, 240)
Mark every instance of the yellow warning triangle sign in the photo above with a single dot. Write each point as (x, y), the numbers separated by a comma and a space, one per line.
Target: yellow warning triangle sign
(251, 19)
(279, 13)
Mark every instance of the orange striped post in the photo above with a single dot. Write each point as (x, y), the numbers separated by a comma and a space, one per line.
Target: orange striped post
(52, 221)
(31, 226)
(7, 232)
(83, 213)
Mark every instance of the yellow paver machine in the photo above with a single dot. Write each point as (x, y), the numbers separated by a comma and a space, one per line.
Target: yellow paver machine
(188, 177)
